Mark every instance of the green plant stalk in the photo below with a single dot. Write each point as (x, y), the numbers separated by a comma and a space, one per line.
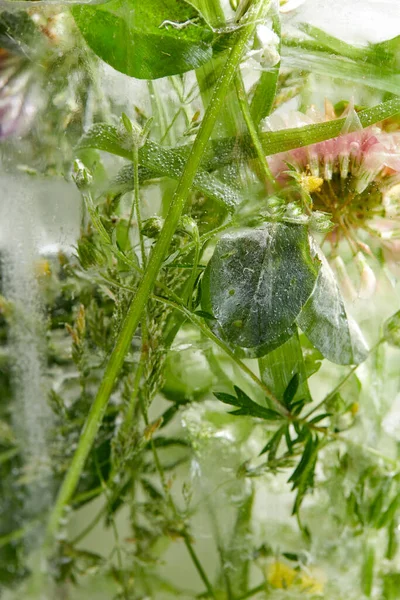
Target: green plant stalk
(136, 204)
(244, 105)
(184, 533)
(138, 303)
(265, 90)
(253, 591)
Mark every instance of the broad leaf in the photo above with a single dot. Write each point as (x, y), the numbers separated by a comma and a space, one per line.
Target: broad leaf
(325, 322)
(257, 282)
(146, 40)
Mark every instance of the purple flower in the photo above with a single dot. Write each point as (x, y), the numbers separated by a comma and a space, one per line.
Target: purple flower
(354, 178)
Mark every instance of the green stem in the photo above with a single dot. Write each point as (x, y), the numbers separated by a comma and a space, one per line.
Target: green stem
(185, 534)
(244, 105)
(265, 90)
(194, 271)
(198, 565)
(136, 204)
(197, 321)
(146, 284)
(18, 534)
(253, 592)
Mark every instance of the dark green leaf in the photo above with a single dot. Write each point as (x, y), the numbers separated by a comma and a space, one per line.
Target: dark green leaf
(226, 398)
(204, 314)
(273, 444)
(297, 406)
(247, 406)
(291, 390)
(146, 40)
(289, 442)
(258, 280)
(325, 322)
(305, 459)
(319, 418)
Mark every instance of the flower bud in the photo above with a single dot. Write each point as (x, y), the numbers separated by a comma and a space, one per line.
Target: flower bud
(81, 175)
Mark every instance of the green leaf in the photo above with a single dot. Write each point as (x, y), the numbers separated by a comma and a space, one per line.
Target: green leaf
(279, 367)
(169, 162)
(291, 390)
(296, 55)
(391, 586)
(332, 44)
(155, 161)
(303, 476)
(391, 330)
(258, 280)
(247, 406)
(325, 322)
(319, 418)
(272, 446)
(389, 513)
(146, 40)
(367, 570)
(386, 53)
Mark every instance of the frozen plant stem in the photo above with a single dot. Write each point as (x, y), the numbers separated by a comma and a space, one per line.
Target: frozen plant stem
(157, 256)
(136, 204)
(245, 108)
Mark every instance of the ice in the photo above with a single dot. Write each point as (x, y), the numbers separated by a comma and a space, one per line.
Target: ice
(30, 227)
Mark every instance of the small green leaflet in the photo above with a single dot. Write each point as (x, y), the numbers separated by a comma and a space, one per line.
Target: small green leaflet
(246, 406)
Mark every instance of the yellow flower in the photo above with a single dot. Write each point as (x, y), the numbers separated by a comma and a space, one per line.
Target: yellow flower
(42, 268)
(310, 584)
(310, 183)
(280, 575)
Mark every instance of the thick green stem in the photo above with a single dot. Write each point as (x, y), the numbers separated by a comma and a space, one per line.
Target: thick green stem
(157, 256)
